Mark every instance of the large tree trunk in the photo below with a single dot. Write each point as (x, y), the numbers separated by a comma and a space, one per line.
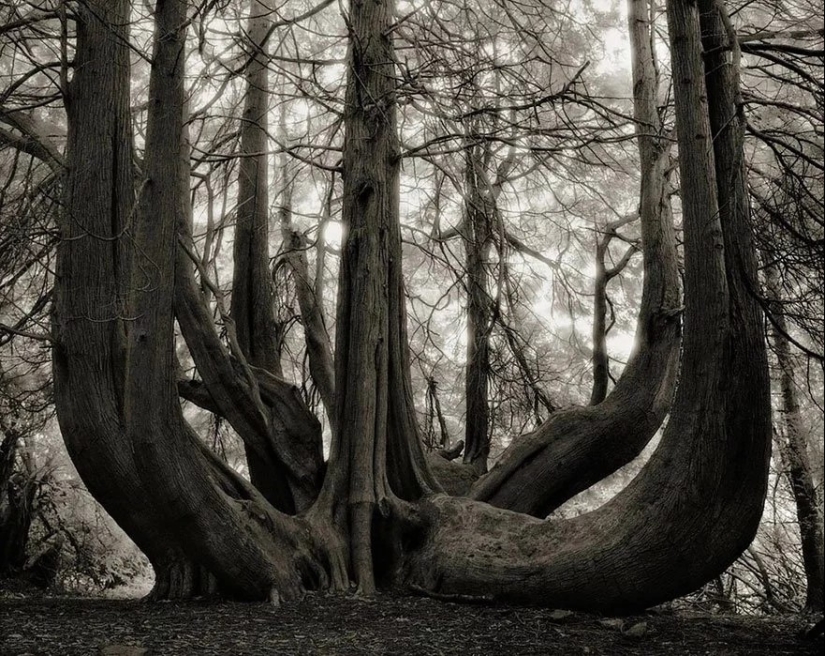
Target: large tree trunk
(114, 379)
(90, 317)
(691, 511)
(251, 307)
(697, 503)
(576, 448)
(217, 520)
(376, 459)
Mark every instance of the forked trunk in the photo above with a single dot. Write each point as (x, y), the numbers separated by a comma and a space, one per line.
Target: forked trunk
(691, 511)
(376, 460)
(90, 315)
(197, 521)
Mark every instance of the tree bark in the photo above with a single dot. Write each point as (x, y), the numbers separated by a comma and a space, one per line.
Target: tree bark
(92, 282)
(691, 511)
(282, 438)
(267, 412)
(578, 447)
(600, 359)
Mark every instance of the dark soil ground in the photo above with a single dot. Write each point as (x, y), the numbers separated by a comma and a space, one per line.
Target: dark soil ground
(346, 625)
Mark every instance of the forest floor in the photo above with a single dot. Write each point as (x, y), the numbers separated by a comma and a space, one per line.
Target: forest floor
(345, 625)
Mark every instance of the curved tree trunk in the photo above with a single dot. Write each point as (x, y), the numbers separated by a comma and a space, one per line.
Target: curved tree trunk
(576, 448)
(267, 412)
(691, 511)
(92, 283)
(114, 379)
(696, 505)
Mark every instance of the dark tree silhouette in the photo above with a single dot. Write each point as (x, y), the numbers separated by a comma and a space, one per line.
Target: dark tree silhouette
(374, 514)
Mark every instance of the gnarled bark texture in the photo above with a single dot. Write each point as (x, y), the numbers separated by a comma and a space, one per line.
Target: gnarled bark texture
(376, 457)
(90, 317)
(691, 511)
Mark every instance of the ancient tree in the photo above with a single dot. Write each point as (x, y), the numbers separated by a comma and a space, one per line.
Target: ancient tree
(373, 514)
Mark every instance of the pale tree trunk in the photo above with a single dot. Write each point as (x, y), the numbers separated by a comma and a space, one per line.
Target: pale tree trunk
(578, 447)
(697, 504)
(796, 459)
